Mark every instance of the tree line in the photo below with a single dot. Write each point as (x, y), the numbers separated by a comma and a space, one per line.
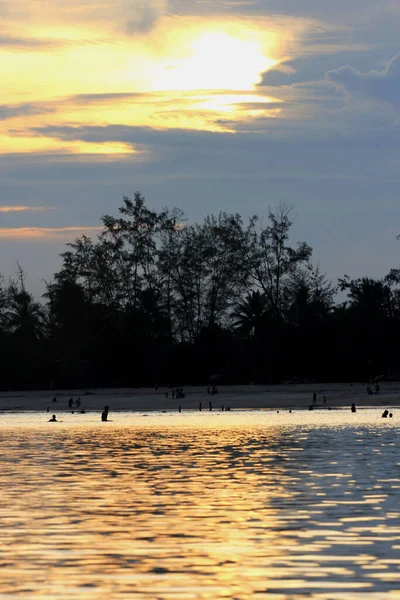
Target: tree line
(157, 299)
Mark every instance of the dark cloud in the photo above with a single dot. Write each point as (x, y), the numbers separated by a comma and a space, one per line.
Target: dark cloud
(25, 43)
(130, 135)
(314, 67)
(17, 110)
(105, 97)
(381, 86)
(314, 9)
(141, 15)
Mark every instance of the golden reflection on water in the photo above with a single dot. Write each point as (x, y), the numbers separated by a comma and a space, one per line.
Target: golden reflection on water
(200, 506)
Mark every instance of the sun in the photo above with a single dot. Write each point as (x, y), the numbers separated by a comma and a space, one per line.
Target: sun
(215, 60)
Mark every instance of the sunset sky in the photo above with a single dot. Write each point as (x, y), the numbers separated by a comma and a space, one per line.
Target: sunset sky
(206, 105)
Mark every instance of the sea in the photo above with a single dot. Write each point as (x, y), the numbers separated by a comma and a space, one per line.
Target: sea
(237, 505)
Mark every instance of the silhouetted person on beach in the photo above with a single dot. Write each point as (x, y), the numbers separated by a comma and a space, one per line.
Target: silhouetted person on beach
(54, 399)
(390, 415)
(222, 408)
(310, 407)
(385, 414)
(324, 399)
(200, 406)
(83, 411)
(180, 408)
(210, 405)
(53, 419)
(353, 408)
(70, 402)
(314, 398)
(104, 414)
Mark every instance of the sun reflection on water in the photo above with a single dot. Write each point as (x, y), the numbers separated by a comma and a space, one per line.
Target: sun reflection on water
(195, 508)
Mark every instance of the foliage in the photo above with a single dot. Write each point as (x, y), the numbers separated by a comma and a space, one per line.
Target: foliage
(157, 299)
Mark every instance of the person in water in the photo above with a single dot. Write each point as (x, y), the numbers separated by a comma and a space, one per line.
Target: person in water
(53, 419)
(104, 414)
(385, 414)
(353, 408)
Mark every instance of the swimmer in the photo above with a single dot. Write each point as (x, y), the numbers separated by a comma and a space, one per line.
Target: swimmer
(53, 419)
(104, 414)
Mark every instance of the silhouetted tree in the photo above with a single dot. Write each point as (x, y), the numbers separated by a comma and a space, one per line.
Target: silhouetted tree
(153, 298)
(272, 262)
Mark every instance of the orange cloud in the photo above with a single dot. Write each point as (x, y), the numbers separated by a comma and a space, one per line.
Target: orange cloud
(40, 233)
(7, 209)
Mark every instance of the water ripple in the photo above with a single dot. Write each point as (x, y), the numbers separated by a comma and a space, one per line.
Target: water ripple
(196, 507)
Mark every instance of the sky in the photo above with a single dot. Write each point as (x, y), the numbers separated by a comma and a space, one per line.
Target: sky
(206, 105)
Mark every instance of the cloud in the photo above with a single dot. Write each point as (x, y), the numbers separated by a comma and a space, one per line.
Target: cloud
(132, 135)
(142, 15)
(34, 233)
(313, 67)
(379, 86)
(9, 41)
(107, 97)
(134, 16)
(10, 209)
(17, 110)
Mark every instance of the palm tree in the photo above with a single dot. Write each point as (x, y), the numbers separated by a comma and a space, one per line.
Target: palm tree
(25, 317)
(249, 315)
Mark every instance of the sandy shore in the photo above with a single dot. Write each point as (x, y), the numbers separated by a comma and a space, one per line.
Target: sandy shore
(236, 397)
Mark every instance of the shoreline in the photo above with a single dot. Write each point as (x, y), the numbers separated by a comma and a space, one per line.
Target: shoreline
(249, 397)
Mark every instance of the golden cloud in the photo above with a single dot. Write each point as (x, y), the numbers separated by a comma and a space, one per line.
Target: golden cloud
(7, 209)
(40, 233)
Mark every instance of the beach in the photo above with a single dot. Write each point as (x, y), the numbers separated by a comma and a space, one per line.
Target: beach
(285, 396)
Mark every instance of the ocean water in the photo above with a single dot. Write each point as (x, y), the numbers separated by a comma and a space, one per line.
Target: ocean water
(207, 506)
